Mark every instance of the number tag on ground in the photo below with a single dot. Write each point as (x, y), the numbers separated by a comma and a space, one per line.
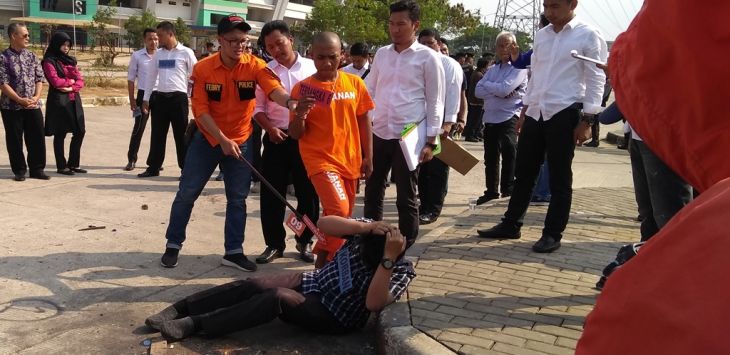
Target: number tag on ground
(295, 224)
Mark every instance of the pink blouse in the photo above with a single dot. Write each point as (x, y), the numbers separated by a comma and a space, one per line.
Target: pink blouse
(71, 71)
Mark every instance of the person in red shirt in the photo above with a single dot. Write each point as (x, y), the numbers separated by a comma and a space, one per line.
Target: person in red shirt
(334, 136)
(672, 298)
(224, 93)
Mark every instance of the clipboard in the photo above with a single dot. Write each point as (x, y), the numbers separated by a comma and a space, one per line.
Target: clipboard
(455, 156)
(412, 140)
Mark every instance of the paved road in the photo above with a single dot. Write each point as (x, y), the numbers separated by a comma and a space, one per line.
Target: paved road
(68, 291)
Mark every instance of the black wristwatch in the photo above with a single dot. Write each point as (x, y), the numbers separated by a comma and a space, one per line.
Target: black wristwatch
(387, 264)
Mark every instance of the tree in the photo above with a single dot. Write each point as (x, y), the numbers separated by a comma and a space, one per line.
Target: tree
(367, 20)
(182, 32)
(482, 39)
(136, 25)
(103, 37)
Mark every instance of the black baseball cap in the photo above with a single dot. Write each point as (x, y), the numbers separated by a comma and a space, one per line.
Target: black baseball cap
(231, 22)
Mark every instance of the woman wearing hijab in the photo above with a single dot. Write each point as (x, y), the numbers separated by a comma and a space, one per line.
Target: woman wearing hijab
(64, 113)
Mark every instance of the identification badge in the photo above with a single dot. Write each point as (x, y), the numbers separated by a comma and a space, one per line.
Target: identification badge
(343, 269)
(166, 63)
(321, 97)
(295, 224)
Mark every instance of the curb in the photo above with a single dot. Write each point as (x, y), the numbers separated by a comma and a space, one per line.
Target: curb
(93, 101)
(394, 331)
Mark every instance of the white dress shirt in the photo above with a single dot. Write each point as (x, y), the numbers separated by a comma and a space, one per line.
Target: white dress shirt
(454, 79)
(359, 72)
(171, 69)
(406, 87)
(559, 80)
(278, 115)
(139, 69)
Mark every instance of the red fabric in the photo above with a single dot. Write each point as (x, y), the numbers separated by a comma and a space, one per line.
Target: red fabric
(671, 78)
(673, 297)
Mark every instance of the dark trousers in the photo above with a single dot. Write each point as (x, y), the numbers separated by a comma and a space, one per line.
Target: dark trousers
(74, 154)
(387, 155)
(26, 124)
(660, 193)
(538, 138)
(500, 140)
(280, 161)
(474, 121)
(242, 304)
(433, 184)
(169, 109)
(256, 149)
(140, 122)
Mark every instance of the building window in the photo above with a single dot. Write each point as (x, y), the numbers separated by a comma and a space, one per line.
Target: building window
(303, 2)
(66, 7)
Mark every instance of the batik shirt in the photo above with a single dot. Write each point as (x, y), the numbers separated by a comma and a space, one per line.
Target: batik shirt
(21, 71)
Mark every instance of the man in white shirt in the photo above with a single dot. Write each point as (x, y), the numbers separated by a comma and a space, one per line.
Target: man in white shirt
(281, 158)
(139, 70)
(433, 176)
(359, 57)
(560, 85)
(406, 81)
(171, 68)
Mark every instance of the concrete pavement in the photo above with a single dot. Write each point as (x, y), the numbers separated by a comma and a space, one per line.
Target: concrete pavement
(65, 290)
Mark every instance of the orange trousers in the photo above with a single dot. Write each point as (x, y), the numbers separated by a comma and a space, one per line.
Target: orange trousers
(337, 196)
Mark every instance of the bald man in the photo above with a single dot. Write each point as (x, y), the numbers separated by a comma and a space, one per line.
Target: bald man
(335, 138)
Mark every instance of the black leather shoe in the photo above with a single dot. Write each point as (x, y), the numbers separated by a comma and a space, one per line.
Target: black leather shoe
(40, 176)
(486, 198)
(19, 177)
(305, 252)
(130, 166)
(546, 244)
(592, 144)
(472, 139)
(65, 171)
(427, 218)
(269, 255)
(501, 231)
(79, 170)
(148, 173)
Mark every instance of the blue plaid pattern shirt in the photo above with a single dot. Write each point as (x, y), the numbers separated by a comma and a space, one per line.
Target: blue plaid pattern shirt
(349, 306)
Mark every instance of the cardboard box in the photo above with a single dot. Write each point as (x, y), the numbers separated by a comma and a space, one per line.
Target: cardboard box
(456, 157)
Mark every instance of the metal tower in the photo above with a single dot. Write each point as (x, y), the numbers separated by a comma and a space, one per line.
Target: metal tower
(518, 16)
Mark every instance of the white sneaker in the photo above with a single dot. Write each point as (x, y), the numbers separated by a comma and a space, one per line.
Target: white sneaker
(256, 187)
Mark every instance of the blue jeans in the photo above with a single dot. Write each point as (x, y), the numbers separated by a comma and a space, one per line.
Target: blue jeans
(542, 190)
(200, 162)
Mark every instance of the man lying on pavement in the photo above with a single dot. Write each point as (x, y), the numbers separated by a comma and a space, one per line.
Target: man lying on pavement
(367, 274)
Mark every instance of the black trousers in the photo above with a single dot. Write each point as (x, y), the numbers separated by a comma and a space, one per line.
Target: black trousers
(256, 149)
(140, 123)
(26, 124)
(538, 138)
(433, 184)
(74, 155)
(500, 140)
(169, 109)
(473, 121)
(387, 155)
(280, 161)
(242, 304)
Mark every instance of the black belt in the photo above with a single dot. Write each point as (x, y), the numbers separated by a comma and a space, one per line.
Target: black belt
(169, 94)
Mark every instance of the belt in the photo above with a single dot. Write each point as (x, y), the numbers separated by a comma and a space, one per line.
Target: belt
(169, 94)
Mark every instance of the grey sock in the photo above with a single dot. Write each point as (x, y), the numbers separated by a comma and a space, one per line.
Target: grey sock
(178, 329)
(167, 314)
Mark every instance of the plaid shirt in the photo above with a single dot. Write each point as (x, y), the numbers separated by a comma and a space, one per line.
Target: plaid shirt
(21, 71)
(349, 307)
